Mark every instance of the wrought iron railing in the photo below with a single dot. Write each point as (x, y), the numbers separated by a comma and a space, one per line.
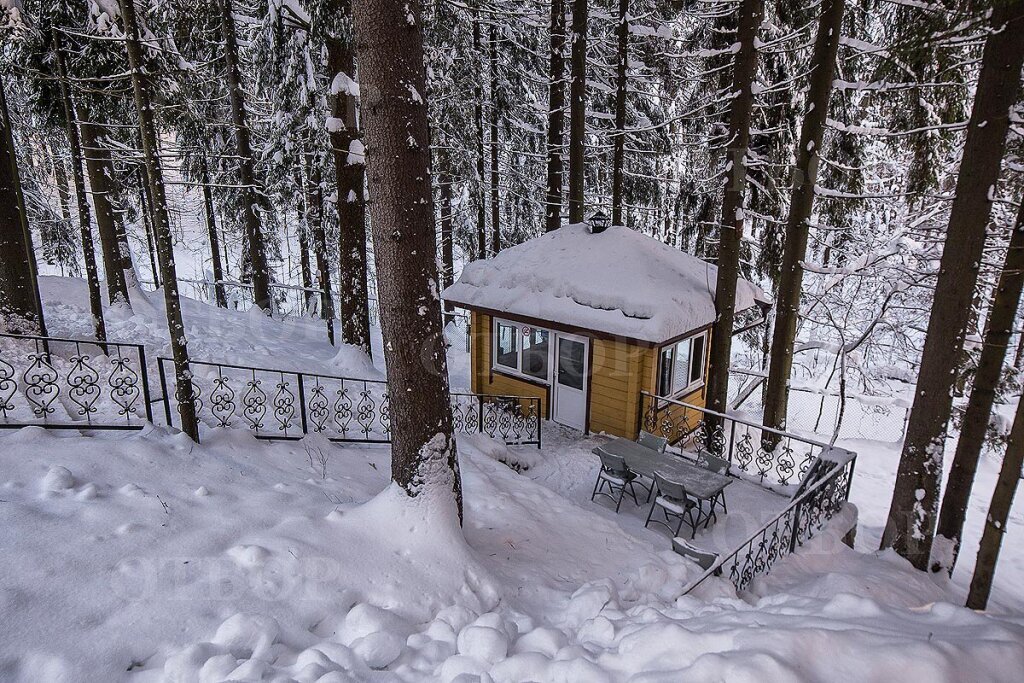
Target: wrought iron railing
(285, 404)
(797, 523)
(60, 383)
(774, 458)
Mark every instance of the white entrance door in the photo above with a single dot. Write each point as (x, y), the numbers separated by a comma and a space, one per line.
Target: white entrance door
(570, 385)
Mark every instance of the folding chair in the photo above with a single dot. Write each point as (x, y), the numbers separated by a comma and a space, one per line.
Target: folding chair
(655, 443)
(675, 505)
(616, 477)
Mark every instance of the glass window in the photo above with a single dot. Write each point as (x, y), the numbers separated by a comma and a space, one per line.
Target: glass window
(535, 354)
(570, 363)
(506, 351)
(697, 359)
(681, 366)
(665, 365)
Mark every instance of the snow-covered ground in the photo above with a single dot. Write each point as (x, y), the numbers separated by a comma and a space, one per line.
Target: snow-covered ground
(146, 557)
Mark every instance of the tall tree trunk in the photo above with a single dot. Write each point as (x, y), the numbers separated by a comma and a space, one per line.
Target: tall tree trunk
(161, 223)
(390, 44)
(744, 73)
(60, 178)
(256, 249)
(116, 197)
(131, 273)
(88, 252)
(801, 205)
(578, 111)
(478, 119)
(495, 206)
(146, 209)
(101, 170)
(619, 141)
(556, 118)
(315, 221)
(1018, 355)
(447, 241)
(211, 230)
(349, 170)
(302, 232)
(21, 308)
(1010, 474)
(996, 339)
(911, 523)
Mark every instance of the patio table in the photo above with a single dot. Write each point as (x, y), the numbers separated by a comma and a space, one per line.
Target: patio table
(699, 482)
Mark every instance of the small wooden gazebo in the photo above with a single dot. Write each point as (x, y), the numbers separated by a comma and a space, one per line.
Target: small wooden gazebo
(585, 321)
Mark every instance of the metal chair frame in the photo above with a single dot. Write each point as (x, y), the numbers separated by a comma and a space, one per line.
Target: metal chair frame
(713, 463)
(646, 439)
(615, 466)
(674, 491)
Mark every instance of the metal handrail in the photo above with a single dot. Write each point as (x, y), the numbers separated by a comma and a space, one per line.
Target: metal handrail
(71, 340)
(379, 416)
(83, 384)
(739, 420)
(794, 506)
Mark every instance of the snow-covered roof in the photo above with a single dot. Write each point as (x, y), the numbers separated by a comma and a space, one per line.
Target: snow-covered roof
(619, 282)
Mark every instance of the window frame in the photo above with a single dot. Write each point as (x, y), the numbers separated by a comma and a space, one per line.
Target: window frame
(517, 372)
(691, 385)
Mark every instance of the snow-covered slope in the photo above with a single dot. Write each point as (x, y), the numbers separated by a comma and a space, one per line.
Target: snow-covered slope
(145, 557)
(214, 334)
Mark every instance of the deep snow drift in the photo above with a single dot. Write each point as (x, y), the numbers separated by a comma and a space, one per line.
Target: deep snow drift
(149, 558)
(146, 557)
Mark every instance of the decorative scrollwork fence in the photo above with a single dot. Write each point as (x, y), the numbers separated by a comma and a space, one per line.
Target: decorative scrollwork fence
(800, 521)
(60, 383)
(283, 404)
(775, 458)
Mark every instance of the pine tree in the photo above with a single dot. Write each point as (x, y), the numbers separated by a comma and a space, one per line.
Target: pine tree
(492, 65)
(88, 252)
(21, 309)
(478, 118)
(161, 223)
(315, 223)
(619, 142)
(1010, 474)
(390, 40)
(101, 181)
(742, 92)
(578, 111)
(447, 238)
(912, 515)
(826, 46)
(250, 189)
(349, 169)
(995, 341)
(556, 118)
(211, 231)
(58, 238)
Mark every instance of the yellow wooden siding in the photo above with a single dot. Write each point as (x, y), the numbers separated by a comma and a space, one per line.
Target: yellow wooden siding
(678, 416)
(619, 371)
(616, 376)
(484, 380)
